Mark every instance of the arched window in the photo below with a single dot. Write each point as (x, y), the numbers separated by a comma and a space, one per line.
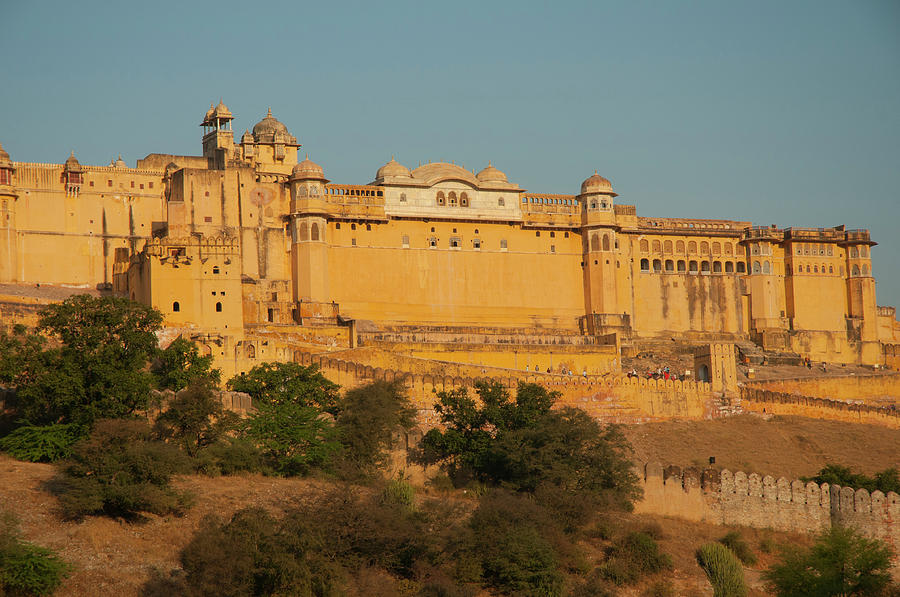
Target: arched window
(704, 248)
(692, 247)
(176, 307)
(800, 269)
(218, 307)
(215, 269)
(767, 267)
(704, 267)
(314, 232)
(463, 200)
(741, 267)
(830, 269)
(808, 269)
(729, 267)
(692, 267)
(717, 267)
(670, 265)
(595, 242)
(645, 265)
(404, 241)
(432, 242)
(865, 269)
(854, 253)
(451, 199)
(657, 265)
(728, 249)
(815, 269)
(593, 205)
(402, 197)
(717, 249)
(645, 246)
(754, 249)
(855, 270)
(606, 242)
(757, 268)
(657, 247)
(352, 226)
(679, 247)
(681, 265)
(440, 198)
(500, 202)
(863, 251)
(667, 247)
(251, 351)
(302, 231)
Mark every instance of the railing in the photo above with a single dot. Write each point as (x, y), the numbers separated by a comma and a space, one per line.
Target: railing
(858, 234)
(694, 225)
(758, 232)
(350, 190)
(551, 204)
(625, 210)
(814, 233)
(887, 311)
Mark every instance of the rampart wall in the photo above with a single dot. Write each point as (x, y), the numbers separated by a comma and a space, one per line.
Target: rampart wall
(865, 388)
(726, 498)
(780, 403)
(613, 398)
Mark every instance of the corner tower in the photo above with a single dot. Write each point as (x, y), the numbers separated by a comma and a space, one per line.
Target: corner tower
(598, 233)
(218, 137)
(309, 250)
(8, 197)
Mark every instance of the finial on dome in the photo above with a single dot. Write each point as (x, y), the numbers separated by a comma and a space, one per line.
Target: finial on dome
(269, 113)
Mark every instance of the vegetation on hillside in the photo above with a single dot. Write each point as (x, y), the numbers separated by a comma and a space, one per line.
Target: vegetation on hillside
(835, 474)
(27, 569)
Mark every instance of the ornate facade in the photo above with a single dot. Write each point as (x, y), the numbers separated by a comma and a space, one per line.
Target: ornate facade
(247, 235)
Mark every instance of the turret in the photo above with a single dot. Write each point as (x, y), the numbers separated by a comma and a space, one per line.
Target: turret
(73, 175)
(218, 137)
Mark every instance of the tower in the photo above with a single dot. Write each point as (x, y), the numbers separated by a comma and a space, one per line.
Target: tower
(861, 304)
(598, 231)
(309, 250)
(218, 138)
(8, 197)
(765, 285)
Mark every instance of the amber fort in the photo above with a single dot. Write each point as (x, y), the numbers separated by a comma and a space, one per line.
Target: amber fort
(438, 272)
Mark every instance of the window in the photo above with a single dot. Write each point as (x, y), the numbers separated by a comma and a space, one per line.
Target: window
(657, 265)
(337, 226)
(855, 270)
(830, 250)
(405, 241)
(741, 267)
(215, 269)
(270, 315)
(865, 269)
(863, 251)
(352, 242)
(704, 248)
(432, 242)
(368, 227)
(537, 233)
(566, 234)
(645, 246)
(717, 267)
(679, 246)
(716, 249)
(854, 253)
(463, 200)
(314, 232)
(830, 269)
(645, 265)
(670, 265)
(767, 267)
(352, 226)
(149, 185)
(553, 248)
(728, 249)
(704, 267)
(757, 268)
(451, 199)
(682, 266)
(552, 234)
(692, 267)
(729, 267)
(815, 269)
(476, 244)
(218, 307)
(402, 197)
(808, 270)
(500, 202)
(503, 244)
(692, 247)
(176, 307)
(667, 247)
(454, 242)
(301, 231)
(657, 247)
(109, 182)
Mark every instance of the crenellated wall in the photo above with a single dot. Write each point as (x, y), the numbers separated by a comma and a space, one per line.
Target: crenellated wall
(864, 388)
(726, 498)
(779, 403)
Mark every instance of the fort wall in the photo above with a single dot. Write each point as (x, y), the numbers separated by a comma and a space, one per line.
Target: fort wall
(726, 498)
(780, 403)
(864, 388)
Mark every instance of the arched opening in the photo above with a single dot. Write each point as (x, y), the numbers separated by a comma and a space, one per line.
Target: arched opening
(215, 269)
(440, 198)
(645, 265)
(830, 269)
(741, 267)
(645, 246)
(716, 249)
(595, 242)
(251, 351)
(729, 267)
(703, 374)
(218, 307)
(692, 247)
(463, 200)
(657, 265)
(670, 265)
(682, 266)
(854, 253)
(657, 247)
(704, 248)
(855, 270)
(302, 232)
(808, 270)
(717, 267)
(865, 270)
(728, 249)
(314, 232)
(815, 269)
(176, 307)
(864, 251)
(606, 242)
(767, 267)
(679, 246)
(667, 247)
(451, 199)
(757, 268)
(692, 267)
(704, 267)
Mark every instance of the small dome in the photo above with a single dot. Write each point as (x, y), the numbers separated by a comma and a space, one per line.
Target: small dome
(246, 137)
(491, 174)
(5, 162)
(120, 163)
(307, 169)
(72, 164)
(269, 126)
(209, 113)
(394, 169)
(221, 111)
(596, 184)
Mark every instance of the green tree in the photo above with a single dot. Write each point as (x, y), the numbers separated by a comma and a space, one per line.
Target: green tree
(180, 365)
(195, 418)
(95, 366)
(120, 471)
(295, 439)
(282, 383)
(27, 569)
(368, 419)
(841, 562)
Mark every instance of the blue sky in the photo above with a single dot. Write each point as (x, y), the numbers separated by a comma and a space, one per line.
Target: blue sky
(781, 113)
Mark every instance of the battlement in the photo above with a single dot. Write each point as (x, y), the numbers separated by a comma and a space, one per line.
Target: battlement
(691, 226)
(780, 403)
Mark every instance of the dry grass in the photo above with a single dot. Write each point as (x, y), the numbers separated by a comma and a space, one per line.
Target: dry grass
(779, 446)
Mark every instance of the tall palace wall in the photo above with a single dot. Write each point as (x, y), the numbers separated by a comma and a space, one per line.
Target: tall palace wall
(727, 498)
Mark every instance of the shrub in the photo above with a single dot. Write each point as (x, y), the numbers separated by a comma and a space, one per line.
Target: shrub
(26, 569)
(119, 471)
(180, 365)
(195, 418)
(767, 545)
(723, 570)
(635, 556)
(733, 541)
(42, 443)
(399, 493)
(228, 457)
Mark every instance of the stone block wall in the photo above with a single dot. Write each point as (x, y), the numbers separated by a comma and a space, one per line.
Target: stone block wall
(758, 400)
(726, 498)
(862, 388)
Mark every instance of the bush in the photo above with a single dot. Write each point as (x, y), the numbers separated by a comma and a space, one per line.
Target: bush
(841, 562)
(399, 493)
(228, 457)
(42, 443)
(723, 570)
(733, 541)
(180, 365)
(834, 474)
(635, 556)
(26, 569)
(119, 471)
(195, 418)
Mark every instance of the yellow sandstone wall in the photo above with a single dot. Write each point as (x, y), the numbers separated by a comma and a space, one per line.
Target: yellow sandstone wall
(778, 403)
(865, 388)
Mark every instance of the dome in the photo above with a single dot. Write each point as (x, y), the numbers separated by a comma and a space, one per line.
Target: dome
(597, 184)
(222, 111)
(307, 169)
(491, 174)
(394, 169)
(246, 137)
(269, 126)
(436, 172)
(4, 158)
(209, 114)
(120, 163)
(72, 164)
